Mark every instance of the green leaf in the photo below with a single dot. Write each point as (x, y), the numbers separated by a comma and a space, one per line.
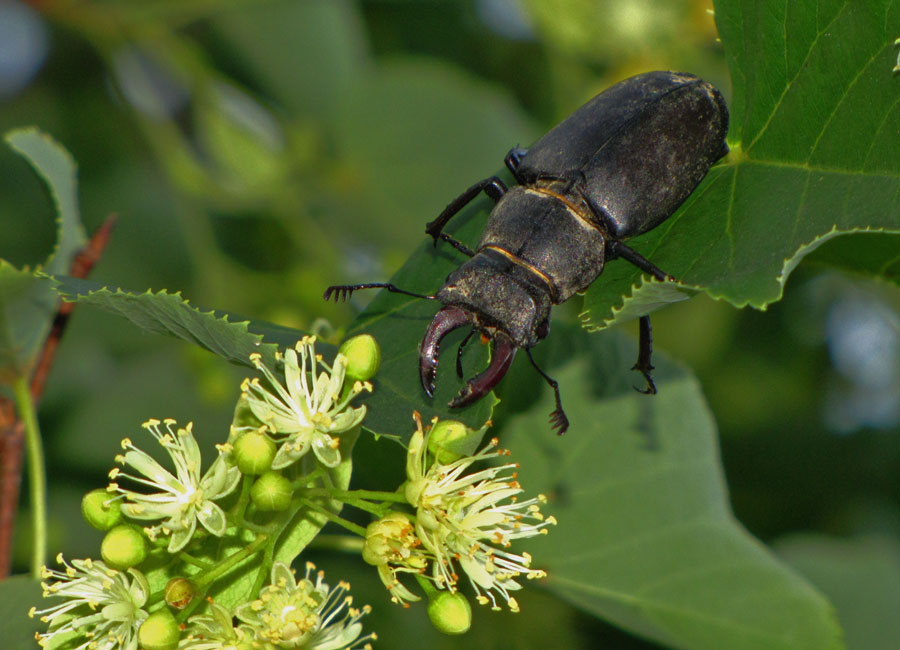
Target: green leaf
(646, 538)
(55, 165)
(17, 595)
(814, 112)
(861, 576)
(168, 313)
(398, 323)
(873, 254)
(27, 304)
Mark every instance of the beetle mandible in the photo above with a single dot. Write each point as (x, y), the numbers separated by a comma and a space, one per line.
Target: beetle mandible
(617, 167)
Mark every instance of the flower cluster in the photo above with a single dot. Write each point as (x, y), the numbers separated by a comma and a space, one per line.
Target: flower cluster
(469, 517)
(182, 499)
(289, 613)
(308, 410)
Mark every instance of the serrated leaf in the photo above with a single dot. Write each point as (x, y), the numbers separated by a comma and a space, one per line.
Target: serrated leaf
(646, 538)
(169, 313)
(55, 165)
(814, 118)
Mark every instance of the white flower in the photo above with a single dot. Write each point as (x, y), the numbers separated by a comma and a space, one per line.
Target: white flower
(182, 499)
(102, 610)
(473, 518)
(308, 411)
(215, 631)
(304, 614)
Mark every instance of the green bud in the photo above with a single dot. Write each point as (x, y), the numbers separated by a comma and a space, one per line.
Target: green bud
(450, 440)
(389, 538)
(363, 357)
(271, 492)
(101, 509)
(159, 632)
(253, 453)
(180, 592)
(124, 547)
(450, 613)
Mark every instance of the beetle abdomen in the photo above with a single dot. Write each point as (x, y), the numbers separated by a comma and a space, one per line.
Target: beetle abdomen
(636, 150)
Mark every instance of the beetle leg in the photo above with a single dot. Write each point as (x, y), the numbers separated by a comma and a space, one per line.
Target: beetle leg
(645, 349)
(616, 249)
(445, 321)
(343, 291)
(459, 353)
(558, 419)
(493, 187)
(503, 351)
(514, 159)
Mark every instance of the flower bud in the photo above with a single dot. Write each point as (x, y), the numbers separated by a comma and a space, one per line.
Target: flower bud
(450, 613)
(180, 592)
(253, 453)
(159, 632)
(390, 539)
(101, 509)
(271, 492)
(450, 440)
(363, 357)
(124, 547)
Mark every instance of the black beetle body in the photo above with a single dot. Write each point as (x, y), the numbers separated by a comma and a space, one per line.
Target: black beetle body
(617, 167)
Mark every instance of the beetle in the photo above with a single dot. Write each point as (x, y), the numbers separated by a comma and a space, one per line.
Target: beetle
(617, 167)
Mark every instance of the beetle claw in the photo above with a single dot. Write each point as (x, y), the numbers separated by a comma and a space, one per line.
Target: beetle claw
(445, 321)
(503, 351)
(559, 421)
(651, 385)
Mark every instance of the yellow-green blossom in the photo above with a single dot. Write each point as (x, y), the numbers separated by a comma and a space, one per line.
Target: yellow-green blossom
(472, 518)
(308, 410)
(393, 547)
(102, 608)
(182, 499)
(303, 614)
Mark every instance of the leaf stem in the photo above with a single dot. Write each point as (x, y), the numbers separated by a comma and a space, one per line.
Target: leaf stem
(37, 478)
(340, 521)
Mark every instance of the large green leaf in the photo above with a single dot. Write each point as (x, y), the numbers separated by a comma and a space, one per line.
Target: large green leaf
(815, 110)
(646, 538)
(17, 595)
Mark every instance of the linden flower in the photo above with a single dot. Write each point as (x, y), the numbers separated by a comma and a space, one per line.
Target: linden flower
(304, 614)
(102, 610)
(392, 547)
(215, 631)
(308, 411)
(182, 499)
(472, 518)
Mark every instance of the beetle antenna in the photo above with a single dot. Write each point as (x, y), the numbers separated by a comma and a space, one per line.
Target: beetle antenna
(558, 419)
(459, 353)
(343, 291)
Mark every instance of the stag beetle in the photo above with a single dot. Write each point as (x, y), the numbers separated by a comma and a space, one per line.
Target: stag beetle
(617, 167)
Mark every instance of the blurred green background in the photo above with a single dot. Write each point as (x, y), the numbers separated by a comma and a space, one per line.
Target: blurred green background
(256, 152)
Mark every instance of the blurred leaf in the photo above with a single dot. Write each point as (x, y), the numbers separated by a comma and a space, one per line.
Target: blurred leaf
(398, 323)
(17, 595)
(813, 112)
(861, 576)
(54, 164)
(305, 54)
(873, 254)
(413, 135)
(28, 305)
(646, 538)
(167, 313)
